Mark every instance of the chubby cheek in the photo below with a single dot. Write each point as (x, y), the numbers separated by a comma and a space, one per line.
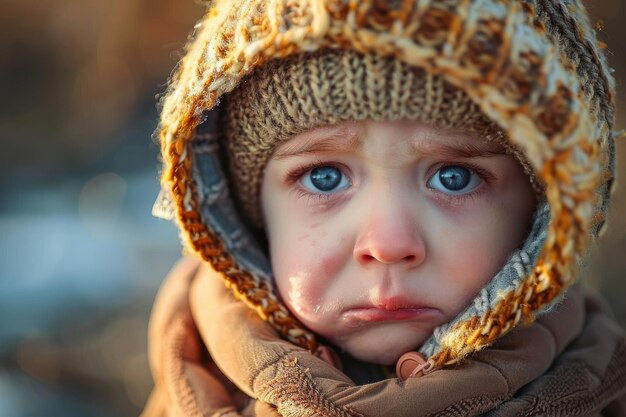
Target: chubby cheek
(463, 261)
(305, 265)
(470, 256)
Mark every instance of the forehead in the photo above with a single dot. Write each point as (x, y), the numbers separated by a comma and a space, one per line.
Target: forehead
(411, 136)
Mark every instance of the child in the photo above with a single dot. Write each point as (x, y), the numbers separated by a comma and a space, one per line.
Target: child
(403, 191)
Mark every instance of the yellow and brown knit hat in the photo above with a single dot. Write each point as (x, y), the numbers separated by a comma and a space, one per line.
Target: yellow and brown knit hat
(526, 72)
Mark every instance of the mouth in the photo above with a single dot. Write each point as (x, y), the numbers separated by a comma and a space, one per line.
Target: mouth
(395, 309)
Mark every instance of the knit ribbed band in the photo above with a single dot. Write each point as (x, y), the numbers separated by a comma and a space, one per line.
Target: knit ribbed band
(286, 97)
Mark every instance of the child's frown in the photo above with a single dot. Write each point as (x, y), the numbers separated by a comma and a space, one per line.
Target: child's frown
(380, 231)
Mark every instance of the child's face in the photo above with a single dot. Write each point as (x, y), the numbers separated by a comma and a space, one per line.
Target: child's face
(381, 231)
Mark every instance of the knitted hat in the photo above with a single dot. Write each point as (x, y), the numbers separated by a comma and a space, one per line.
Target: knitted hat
(285, 97)
(533, 67)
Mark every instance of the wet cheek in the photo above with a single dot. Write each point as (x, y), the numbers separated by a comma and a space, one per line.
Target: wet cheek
(295, 284)
(305, 270)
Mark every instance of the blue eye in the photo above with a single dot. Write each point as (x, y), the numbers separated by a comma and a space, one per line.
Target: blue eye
(454, 179)
(324, 180)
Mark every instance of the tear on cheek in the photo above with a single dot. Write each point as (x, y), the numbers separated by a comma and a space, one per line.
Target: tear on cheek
(304, 300)
(297, 295)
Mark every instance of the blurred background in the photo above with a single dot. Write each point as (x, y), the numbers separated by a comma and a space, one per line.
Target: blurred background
(81, 258)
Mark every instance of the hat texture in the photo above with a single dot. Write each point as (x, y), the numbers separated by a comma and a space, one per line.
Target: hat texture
(533, 68)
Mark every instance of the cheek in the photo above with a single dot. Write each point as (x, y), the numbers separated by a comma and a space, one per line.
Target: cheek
(467, 261)
(473, 250)
(305, 263)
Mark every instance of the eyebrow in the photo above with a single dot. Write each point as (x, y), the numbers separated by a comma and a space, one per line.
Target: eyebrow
(352, 140)
(477, 149)
(342, 139)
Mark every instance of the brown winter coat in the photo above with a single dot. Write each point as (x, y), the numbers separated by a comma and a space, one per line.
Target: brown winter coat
(571, 362)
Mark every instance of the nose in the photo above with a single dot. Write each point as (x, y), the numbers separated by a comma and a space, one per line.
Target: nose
(390, 237)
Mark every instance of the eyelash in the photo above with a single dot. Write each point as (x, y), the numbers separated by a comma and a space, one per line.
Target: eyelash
(292, 177)
(459, 199)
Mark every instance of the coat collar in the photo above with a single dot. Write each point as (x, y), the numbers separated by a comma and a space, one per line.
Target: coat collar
(575, 354)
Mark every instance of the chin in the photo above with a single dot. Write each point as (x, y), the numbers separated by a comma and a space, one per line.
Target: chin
(383, 346)
(384, 357)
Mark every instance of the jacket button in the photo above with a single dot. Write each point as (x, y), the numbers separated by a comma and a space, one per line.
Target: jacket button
(407, 364)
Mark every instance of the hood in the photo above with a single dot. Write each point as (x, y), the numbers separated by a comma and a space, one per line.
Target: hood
(533, 67)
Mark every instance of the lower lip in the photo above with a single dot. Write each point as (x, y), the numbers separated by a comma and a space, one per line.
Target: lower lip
(362, 316)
